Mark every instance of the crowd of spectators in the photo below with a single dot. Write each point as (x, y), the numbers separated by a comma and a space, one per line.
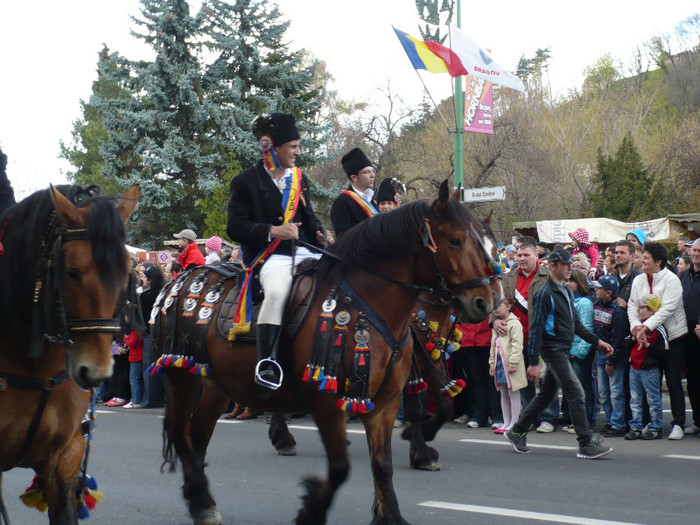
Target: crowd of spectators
(631, 296)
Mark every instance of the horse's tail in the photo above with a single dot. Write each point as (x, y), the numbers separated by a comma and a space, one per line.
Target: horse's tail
(169, 452)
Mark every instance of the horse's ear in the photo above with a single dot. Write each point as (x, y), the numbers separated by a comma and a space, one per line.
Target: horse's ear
(457, 195)
(127, 202)
(443, 196)
(487, 219)
(66, 211)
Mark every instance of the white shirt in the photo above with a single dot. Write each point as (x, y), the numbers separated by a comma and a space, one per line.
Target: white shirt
(366, 196)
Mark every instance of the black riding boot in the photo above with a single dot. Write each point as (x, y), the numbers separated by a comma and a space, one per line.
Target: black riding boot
(268, 342)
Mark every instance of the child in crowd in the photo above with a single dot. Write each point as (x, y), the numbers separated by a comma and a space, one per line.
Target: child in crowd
(507, 366)
(134, 343)
(611, 325)
(645, 376)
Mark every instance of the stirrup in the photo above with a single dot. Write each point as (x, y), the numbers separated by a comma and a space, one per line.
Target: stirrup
(264, 382)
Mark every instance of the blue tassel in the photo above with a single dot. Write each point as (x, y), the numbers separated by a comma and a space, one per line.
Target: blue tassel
(421, 314)
(83, 512)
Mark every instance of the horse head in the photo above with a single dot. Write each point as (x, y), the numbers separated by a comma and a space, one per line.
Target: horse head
(463, 255)
(93, 267)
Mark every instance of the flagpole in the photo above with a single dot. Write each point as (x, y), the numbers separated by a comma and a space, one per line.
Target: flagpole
(459, 118)
(433, 100)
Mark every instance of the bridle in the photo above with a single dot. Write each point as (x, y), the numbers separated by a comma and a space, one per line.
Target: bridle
(49, 322)
(446, 291)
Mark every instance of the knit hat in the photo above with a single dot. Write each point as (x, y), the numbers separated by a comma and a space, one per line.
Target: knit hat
(186, 234)
(580, 235)
(354, 161)
(608, 282)
(652, 302)
(639, 234)
(510, 248)
(213, 243)
(389, 191)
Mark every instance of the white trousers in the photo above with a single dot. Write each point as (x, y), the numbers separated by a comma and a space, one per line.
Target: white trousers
(276, 282)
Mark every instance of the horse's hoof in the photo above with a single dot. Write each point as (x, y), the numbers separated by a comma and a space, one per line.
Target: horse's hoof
(431, 466)
(208, 516)
(287, 451)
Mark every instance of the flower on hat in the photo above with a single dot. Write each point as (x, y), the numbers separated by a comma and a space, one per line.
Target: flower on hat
(580, 235)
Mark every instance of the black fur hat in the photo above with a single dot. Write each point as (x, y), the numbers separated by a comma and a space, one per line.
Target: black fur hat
(354, 161)
(389, 190)
(280, 127)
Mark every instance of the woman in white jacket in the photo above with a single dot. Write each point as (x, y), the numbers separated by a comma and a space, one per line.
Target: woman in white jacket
(656, 279)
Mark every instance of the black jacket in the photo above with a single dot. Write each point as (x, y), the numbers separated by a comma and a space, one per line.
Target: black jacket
(346, 213)
(554, 321)
(255, 205)
(690, 281)
(626, 284)
(7, 195)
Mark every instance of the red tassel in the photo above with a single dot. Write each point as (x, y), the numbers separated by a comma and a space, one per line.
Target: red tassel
(461, 383)
(429, 346)
(361, 360)
(305, 377)
(324, 326)
(338, 340)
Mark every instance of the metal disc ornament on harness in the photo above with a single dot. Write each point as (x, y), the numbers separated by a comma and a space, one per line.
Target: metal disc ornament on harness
(342, 318)
(329, 305)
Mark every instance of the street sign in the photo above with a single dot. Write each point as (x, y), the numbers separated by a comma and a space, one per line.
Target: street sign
(497, 193)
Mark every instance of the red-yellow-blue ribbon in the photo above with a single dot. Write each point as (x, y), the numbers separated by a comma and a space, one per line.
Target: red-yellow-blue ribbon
(243, 317)
(370, 210)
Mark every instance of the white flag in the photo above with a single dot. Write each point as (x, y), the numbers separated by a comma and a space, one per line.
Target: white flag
(478, 62)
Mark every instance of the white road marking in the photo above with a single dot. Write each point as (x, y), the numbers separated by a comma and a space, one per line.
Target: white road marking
(680, 456)
(507, 443)
(516, 513)
(305, 427)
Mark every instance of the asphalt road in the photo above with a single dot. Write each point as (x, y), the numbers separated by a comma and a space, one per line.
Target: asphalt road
(483, 481)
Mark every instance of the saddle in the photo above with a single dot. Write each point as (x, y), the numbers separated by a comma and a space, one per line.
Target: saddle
(302, 294)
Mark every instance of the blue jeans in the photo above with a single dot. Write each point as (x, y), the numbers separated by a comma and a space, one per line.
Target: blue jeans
(559, 372)
(646, 382)
(611, 392)
(583, 368)
(136, 380)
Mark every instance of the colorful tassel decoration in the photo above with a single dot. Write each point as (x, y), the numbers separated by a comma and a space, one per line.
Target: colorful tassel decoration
(34, 495)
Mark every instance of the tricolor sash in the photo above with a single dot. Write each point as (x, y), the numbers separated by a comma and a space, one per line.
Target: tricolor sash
(243, 317)
(370, 210)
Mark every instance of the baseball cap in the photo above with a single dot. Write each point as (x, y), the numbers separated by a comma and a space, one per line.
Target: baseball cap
(186, 234)
(608, 282)
(652, 302)
(560, 255)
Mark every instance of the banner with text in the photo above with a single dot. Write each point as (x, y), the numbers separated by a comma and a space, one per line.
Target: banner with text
(478, 105)
(600, 230)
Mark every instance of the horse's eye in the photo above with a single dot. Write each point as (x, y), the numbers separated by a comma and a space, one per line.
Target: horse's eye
(455, 242)
(74, 274)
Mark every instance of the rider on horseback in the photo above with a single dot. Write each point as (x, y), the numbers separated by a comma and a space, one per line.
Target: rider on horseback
(270, 208)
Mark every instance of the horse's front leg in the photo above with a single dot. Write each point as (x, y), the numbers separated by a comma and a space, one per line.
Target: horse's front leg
(60, 476)
(211, 406)
(420, 455)
(332, 425)
(280, 437)
(379, 425)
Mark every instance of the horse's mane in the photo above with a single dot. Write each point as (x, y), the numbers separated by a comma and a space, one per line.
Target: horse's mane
(27, 224)
(396, 234)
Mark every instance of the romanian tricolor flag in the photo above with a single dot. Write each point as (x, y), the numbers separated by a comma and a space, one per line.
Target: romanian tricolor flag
(431, 56)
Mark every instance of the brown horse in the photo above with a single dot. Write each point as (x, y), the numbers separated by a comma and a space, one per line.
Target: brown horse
(386, 263)
(62, 267)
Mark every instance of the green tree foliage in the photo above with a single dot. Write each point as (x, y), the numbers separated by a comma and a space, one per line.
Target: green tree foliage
(621, 184)
(215, 207)
(190, 108)
(436, 14)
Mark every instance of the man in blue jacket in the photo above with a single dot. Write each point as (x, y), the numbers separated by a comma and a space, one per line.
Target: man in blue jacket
(552, 330)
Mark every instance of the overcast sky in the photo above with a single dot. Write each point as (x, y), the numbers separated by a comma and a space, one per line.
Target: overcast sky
(48, 52)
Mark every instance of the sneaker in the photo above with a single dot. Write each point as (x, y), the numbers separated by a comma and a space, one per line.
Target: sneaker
(614, 433)
(116, 402)
(692, 429)
(571, 430)
(519, 441)
(398, 423)
(496, 424)
(676, 433)
(648, 435)
(499, 430)
(462, 420)
(545, 427)
(633, 434)
(132, 405)
(473, 424)
(593, 451)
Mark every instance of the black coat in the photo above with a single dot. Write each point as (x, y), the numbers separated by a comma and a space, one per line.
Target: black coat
(255, 205)
(7, 195)
(346, 213)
